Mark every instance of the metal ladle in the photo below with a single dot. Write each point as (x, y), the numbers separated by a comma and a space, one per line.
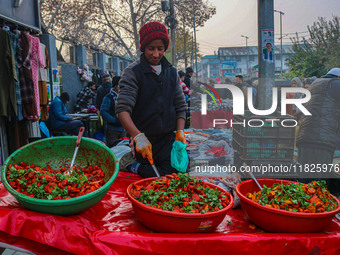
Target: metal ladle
(80, 134)
(252, 176)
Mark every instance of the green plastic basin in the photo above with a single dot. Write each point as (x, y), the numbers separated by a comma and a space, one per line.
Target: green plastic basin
(57, 152)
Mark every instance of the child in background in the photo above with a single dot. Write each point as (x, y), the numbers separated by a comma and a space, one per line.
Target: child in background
(185, 88)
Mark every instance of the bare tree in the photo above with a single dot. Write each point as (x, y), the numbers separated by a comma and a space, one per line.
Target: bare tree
(82, 23)
(203, 12)
(113, 25)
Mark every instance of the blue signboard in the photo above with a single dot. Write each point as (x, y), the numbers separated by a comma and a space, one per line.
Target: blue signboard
(231, 74)
(228, 64)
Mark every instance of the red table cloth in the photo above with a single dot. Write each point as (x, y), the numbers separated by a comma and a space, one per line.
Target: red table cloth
(110, 227)
(200, 121)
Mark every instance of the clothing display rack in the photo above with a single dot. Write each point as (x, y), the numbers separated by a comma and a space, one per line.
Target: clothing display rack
(21, 26)
(18, 133)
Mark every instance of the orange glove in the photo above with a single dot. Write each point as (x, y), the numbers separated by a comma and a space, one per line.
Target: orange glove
(180, 136)
(143, 146)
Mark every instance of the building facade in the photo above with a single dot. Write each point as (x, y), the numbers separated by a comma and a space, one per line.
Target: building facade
(210, 67)
(232, 61)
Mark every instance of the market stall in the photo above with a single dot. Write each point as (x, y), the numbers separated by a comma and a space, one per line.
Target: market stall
(110, 227)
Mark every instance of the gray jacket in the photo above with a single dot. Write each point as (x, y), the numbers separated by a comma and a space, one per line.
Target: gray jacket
(320, 130)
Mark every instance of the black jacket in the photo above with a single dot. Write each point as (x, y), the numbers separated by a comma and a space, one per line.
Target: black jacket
(155, 102)
(102, 91)
(107, 111)
(187, 80)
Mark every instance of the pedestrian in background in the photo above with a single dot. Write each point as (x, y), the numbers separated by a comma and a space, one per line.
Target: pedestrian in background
(185, 88)
(187, 92)
(242, 86)
(58, 118)
(318, 133)
(103, 89)
(239, 82)
(291, 109)
(307, 83)
(250, 84)
(85, 97)
(189, 72)
(113, 128)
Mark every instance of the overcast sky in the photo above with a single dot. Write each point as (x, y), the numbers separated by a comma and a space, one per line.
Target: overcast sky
(234, 18)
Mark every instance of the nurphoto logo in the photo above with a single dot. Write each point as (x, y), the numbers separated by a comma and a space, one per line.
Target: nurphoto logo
(238, 105)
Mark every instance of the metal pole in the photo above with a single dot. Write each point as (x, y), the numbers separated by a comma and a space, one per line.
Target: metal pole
(247, 53)
(192, 48)
(247, 57)
(193, 7)
(281, 13)
(173, 33)
(265, 17)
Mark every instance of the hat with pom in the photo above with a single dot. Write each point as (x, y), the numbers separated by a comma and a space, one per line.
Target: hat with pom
(153, 31)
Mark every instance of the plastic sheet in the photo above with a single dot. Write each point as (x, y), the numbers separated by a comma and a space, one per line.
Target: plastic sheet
(110, 227)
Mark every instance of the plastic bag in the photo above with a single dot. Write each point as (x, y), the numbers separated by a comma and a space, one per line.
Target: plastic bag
(44, 129)
(179, 156)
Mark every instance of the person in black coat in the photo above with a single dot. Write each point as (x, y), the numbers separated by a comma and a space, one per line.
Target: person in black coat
(189, 72)
(113, 128)
(103, 90)
(151, 104)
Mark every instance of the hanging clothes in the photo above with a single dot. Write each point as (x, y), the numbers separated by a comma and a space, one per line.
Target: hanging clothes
(43, 93)
(36, 62)
(8, 77)
(16, 50)
(25, 75)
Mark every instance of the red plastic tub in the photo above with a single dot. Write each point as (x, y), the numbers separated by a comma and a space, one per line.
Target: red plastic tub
(174, 222)
(276, 220)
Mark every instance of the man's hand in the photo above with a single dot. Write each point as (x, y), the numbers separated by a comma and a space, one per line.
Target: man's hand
(180, 136)
(143, 146)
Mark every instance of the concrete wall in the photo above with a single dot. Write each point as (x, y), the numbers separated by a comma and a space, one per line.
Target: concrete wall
(71, 83)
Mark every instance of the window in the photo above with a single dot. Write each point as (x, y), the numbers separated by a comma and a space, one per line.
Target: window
(108, 63)
(121, 65)
(91, 57)
(278, 57)
(67, 52)
(251, 58)
(72, 54)
(94, 58)
(238, 58)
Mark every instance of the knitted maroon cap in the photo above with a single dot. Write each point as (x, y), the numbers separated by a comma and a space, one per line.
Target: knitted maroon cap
(153, 31)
